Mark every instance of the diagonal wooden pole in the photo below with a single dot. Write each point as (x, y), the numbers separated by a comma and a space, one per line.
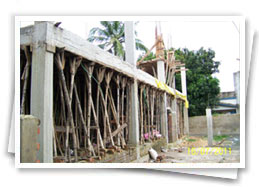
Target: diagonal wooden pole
(68, 103)
(25, 77)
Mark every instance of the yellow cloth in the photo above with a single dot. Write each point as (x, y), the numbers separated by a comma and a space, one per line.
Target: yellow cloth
(163, 86)
(184, 98)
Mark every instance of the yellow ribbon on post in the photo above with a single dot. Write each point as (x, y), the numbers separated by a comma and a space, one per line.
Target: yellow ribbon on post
(184, 98)
(163, 86)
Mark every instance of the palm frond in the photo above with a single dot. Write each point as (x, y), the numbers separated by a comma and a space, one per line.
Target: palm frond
(140, 45)
(104, 23)
(111, 37)
(93, 31)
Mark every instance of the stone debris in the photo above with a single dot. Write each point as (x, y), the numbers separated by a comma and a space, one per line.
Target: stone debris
(164, 150)
(153, 154)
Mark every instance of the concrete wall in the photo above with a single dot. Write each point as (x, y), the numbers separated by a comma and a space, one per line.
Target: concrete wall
(131, 154)
(222, 124)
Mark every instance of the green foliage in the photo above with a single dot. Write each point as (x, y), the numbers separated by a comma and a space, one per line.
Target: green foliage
(218, 138)
(149, 57)
(191, 140)
(202, 88)
(111, 37)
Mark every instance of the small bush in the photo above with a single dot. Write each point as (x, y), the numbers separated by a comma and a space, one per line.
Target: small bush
(191, 140)
(219, 137)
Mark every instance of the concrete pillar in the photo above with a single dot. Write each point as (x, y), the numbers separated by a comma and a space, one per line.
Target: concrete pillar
(170, 125)
(237, 89)
(174, 120)
(134, 125)
(28, 138)
(161, 77)
(42, 88)
(130, 57)
(185, 110)
(209, 126)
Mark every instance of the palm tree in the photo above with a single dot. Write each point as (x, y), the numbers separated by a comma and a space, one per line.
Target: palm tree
(112, 38)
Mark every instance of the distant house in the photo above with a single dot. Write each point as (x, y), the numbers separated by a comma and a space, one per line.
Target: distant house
(227, 103)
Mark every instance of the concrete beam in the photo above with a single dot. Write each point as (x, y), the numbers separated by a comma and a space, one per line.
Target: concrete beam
(42, 89)
(73, 43)
(26, 35)
(60, 38)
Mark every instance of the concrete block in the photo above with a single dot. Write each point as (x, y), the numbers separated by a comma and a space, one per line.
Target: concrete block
(28, 138)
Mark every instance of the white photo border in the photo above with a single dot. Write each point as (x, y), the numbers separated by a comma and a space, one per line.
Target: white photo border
(239, 19)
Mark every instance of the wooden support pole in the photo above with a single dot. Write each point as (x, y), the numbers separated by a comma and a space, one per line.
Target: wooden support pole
(152, 111)
(157, 111)
(115, 133)
(76, 124)
(63, 108)
(74, 64)
(85, 111)
(117, 80)
(108, 77)
(145, 111)
(68, 102)
(100, 76)
(83, 121)
(25, 78)
(90, 69)
(141, 114)
(123, 84)
(148, 111)
(115, 115)
(129, 111)
(97, 125)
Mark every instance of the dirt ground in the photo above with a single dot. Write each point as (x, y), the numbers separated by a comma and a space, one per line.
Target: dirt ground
(194, 149)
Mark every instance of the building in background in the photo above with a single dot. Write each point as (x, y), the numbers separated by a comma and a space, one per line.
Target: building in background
(237, 88)
(229, 101)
